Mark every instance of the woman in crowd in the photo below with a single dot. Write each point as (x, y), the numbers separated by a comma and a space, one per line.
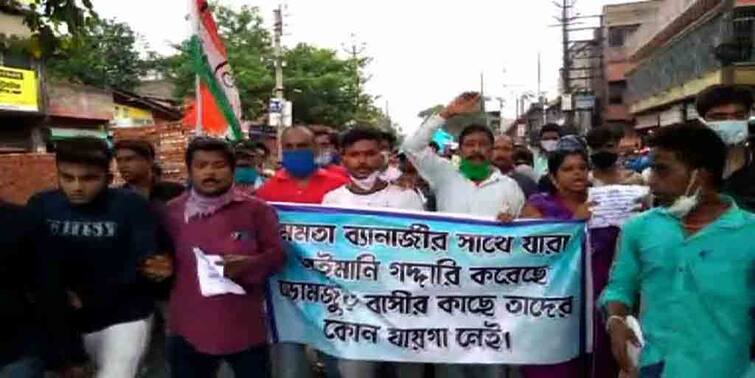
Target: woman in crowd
(567, 200)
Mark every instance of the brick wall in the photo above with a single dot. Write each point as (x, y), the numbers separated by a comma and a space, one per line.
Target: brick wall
(22, 175)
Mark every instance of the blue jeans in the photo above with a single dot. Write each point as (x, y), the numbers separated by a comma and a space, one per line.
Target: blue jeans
(27, 367)
(186, 362)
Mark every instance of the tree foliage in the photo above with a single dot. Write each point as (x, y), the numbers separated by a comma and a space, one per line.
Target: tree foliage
(104, 56)
(322, 86)
(51, 20)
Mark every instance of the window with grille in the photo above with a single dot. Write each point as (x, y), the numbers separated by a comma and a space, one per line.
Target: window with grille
(617, 35)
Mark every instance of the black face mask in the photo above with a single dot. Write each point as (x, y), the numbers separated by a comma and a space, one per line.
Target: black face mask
(604, 159)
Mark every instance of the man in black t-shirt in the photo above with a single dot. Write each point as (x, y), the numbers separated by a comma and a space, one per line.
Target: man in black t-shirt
(726, 109)
(96, 258)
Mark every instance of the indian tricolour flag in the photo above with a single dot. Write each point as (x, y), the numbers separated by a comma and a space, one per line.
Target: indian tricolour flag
(217, 91)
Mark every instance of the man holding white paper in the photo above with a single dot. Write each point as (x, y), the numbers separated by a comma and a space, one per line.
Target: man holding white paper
(227, 245)
(691, 264)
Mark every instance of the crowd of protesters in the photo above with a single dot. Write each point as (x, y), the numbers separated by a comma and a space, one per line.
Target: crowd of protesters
(98, 280)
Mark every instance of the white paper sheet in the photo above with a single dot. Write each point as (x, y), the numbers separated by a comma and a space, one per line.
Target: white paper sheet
(634, 352)
(614, 204)
(212, 282)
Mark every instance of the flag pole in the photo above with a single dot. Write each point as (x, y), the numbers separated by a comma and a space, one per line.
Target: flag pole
(194, 9)
(198, 107)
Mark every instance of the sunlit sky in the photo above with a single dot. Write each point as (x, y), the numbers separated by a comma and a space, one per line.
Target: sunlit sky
(425, 52)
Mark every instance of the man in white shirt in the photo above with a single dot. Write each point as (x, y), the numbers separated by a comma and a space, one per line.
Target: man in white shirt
(476, 187)
(362, 158)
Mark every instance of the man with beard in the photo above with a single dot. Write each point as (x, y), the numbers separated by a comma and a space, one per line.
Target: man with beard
(474, 188)
(362, 158)
(219, 228)
(691, 262)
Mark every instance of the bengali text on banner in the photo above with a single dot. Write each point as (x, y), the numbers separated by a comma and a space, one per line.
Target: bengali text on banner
(395, 286)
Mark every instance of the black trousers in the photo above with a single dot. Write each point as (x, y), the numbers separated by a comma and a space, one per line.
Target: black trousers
(186, 362)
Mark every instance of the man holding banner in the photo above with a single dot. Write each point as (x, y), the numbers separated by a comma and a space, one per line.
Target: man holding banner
(475, 188)
(299, 181)
(362, 158)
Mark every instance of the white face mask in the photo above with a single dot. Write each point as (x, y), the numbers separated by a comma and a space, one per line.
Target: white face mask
(685, 203)
(549, 145)
(368, 182)
(391, 174)
(733, 132)
(324, 158)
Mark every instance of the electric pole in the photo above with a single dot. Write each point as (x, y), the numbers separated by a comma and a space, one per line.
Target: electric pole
(355, 50)
(278, 33)
(539, 75)
(571, 49)
(566, 5)
(278, 51)
(540, 97)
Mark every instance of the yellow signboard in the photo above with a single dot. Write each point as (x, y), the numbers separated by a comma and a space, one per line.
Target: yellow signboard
(18, 90)
(125, 112)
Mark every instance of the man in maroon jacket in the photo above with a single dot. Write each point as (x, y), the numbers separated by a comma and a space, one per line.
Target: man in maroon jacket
(227, 245)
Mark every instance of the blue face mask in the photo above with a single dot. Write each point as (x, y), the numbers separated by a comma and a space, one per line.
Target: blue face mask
(299, 163)
(733, 132)
(246, 175)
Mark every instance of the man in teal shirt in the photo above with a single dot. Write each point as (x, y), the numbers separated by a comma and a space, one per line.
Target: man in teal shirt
(688, 266)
